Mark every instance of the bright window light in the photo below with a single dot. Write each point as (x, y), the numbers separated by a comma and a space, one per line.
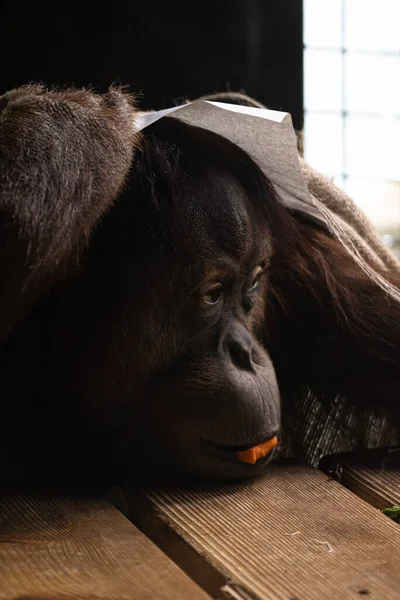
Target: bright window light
(352, 102)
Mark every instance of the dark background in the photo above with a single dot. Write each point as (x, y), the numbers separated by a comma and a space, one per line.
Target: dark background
(167, 51)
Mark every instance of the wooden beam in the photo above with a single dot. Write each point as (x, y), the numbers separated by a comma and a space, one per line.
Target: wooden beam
(69, 548)
(379, 487)
(293, 534)
(374, 474)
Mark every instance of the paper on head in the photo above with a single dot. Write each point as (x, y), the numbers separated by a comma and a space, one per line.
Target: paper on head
(267, 136)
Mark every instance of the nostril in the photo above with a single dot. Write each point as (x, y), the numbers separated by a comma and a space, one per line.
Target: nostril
(254, 356)
(240, 355)
(237, 346)
(258, 356)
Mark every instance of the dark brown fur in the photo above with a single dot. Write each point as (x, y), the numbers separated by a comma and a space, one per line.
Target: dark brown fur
(64, 157)
(342, 328)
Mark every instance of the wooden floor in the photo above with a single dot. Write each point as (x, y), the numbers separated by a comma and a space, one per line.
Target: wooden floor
(294, 534)
(69, 548)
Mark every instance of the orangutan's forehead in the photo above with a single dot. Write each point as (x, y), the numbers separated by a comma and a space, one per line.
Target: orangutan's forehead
(219, 216)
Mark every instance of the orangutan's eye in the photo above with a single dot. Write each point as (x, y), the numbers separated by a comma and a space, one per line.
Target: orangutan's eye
(257, 274)
(253, 286)
(213, 295)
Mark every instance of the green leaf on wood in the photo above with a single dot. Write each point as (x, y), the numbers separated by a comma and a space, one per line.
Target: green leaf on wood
(393, 513)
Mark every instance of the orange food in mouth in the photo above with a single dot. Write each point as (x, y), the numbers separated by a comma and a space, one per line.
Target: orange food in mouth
(252, 455)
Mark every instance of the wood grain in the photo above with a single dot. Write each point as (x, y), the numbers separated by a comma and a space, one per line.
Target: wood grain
(65, 548)
(294, 534)
(373, 475)
(379, 487)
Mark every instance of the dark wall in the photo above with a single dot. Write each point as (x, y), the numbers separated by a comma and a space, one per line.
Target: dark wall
(166, 50)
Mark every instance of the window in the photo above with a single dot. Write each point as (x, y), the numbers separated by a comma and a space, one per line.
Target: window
(352, 102)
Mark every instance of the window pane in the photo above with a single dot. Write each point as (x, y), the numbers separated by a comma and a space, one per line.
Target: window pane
(322, 80)
(322, 23)
(380, 201)
(372, 147)
(323, 143)
(372, 25)
(372, 83)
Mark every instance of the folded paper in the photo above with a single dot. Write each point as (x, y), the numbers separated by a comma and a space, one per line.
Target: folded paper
(267, 136)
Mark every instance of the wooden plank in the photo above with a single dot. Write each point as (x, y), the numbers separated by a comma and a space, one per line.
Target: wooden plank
(379, 487)
(66, 548)
(294, 534)
(374, 475)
